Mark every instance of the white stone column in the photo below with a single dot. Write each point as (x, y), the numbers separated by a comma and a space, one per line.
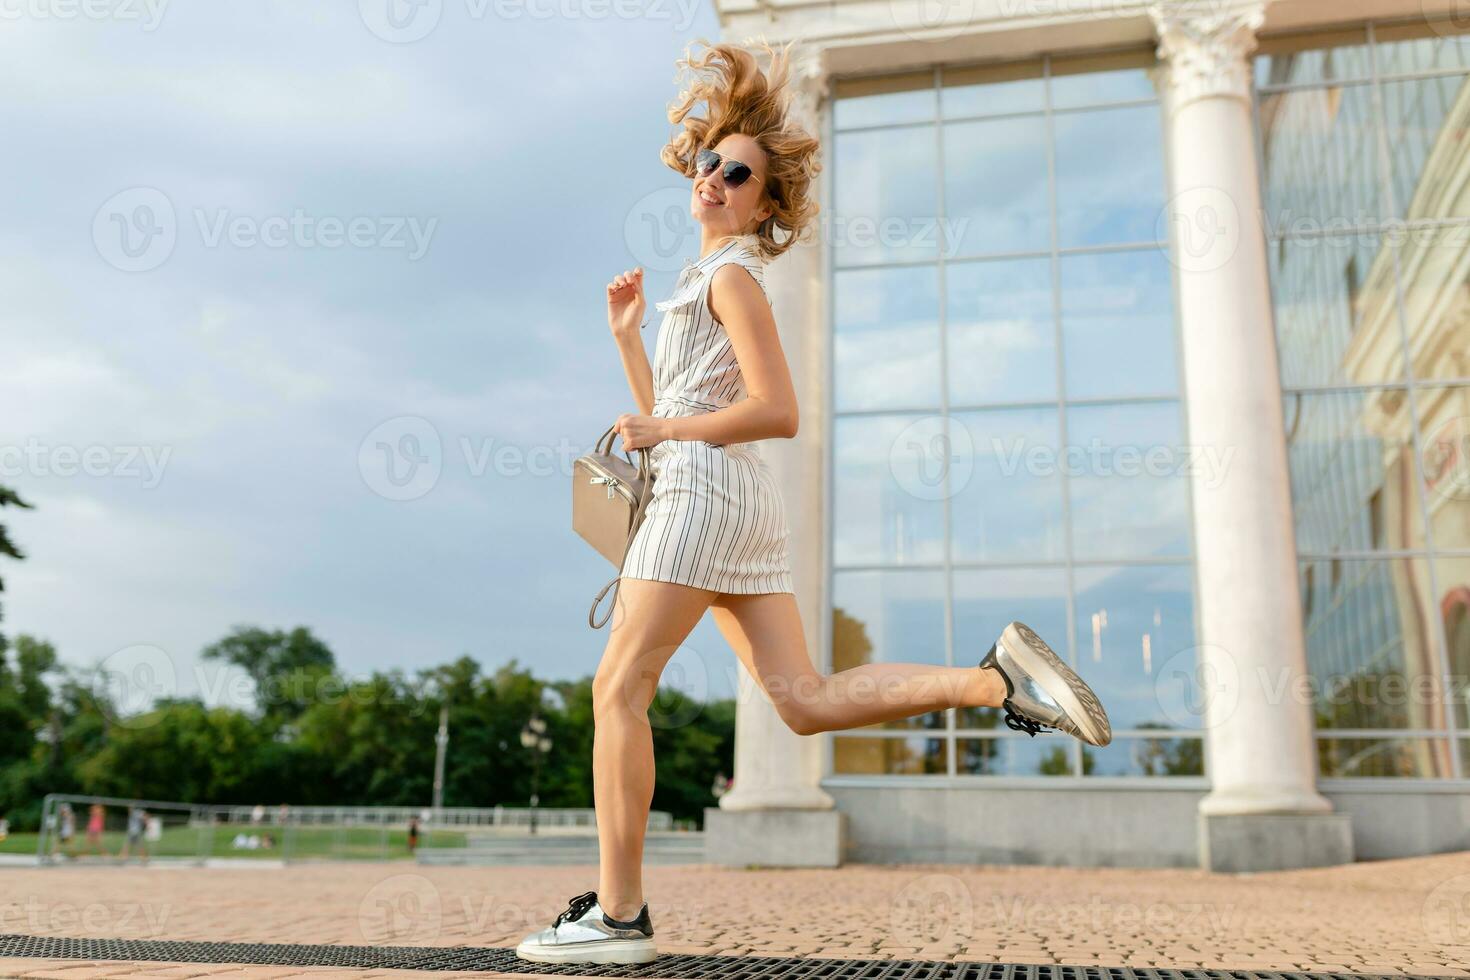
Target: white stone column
(1259, 735)
(775, 767)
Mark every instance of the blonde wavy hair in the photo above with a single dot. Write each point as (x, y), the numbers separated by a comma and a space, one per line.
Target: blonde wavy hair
(742, 99)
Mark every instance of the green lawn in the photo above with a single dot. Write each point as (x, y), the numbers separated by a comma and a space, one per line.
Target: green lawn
(330, 843)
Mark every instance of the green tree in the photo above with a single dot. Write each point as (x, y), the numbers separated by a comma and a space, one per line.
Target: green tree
(289, 670)
(8, 498)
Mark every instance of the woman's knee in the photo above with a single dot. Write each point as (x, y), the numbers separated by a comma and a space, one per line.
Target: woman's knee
(801, 703)
(625, 682)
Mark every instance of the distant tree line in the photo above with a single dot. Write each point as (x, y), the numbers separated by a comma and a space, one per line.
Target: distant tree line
(307, 734)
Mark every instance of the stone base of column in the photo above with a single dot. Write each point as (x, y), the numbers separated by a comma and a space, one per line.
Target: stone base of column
(1274, 841)
(774, 838)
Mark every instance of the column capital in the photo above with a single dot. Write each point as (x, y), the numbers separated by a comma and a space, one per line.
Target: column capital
(1204, 48)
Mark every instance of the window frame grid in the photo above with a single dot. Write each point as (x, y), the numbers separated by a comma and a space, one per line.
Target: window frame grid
(1384, 163)
(1055, 255)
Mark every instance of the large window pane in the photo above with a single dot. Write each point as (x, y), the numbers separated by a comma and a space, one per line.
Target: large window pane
(883, 100)
(992, 90)
(1045, 755)
(1320, 159)
(1383, 758)
(1118, 325)
(885, 344)
(1371, 633)
(884, 198)
(1135, 644)
(1001, 334)
(986, 600)
(1424, 123)
(1146, 757)
(1127, 467)
(1352, 466)
(1110, 176)
(887, 508)
(1098, 79)
(995, 185)
(888, 617)
(1306, 59)
(879, 756)
(1442, 45)
(1434, 268)
(1007, 505)
(1336, 310)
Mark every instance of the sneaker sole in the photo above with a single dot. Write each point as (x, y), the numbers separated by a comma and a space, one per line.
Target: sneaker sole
(1060, 681)
(605, 951)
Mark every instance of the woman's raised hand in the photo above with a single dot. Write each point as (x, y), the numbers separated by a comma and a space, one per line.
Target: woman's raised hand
(625, 303)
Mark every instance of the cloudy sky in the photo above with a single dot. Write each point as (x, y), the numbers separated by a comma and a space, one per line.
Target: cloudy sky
(304, 318)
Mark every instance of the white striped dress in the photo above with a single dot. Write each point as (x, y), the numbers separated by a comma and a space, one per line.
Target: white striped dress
(716, 520)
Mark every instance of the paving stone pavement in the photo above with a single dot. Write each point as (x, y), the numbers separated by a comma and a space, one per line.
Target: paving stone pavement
(1390, 917)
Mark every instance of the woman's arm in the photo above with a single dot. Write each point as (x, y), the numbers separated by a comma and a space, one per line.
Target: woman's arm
(636, 367)
(769, 410)
(625, 306)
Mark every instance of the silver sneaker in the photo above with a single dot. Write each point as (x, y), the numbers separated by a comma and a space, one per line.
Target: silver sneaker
(1042, 691)
(583, 934)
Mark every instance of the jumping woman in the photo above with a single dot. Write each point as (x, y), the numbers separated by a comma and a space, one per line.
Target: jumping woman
(715, 534)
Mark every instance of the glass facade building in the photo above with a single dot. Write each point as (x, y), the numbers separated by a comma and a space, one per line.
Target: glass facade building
(1364, 161)
(1149, 326)
(1008, 436)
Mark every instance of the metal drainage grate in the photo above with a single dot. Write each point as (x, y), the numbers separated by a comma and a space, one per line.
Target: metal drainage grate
(671, 965)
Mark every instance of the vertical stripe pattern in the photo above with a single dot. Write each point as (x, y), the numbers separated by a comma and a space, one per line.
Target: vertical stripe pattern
(716, 519)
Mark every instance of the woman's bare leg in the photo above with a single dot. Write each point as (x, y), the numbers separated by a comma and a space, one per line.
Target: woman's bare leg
(649, 621)
(766, 633)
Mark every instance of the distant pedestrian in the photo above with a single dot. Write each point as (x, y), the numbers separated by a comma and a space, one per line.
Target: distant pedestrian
(413, 834)
(96, 822)
(137, 824)
(66, 831)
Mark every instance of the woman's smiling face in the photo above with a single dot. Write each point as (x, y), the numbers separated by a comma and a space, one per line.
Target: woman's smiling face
(727, 210)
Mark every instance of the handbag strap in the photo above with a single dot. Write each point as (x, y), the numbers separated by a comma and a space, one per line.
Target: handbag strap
(643, 498)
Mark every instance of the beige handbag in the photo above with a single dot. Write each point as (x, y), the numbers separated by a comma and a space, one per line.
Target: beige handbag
(609, 498)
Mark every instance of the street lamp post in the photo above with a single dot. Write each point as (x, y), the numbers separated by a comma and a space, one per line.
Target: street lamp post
(533, 737)
(441, 744)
